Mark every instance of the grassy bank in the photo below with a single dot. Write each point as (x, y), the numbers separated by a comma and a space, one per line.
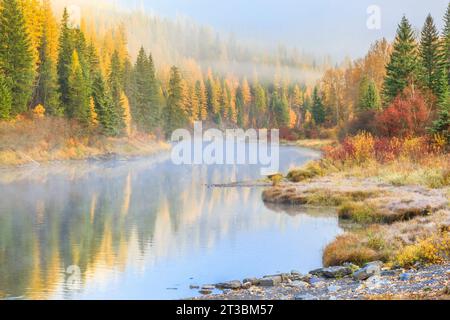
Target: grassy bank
(394, 193)
(49, 139)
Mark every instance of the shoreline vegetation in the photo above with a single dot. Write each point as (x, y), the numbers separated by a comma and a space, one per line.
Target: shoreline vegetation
(40, 140)
(393, 204)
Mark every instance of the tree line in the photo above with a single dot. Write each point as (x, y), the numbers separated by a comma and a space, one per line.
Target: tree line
(400, 85)
(65, 70)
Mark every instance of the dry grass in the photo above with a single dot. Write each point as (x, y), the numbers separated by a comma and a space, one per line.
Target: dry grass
(403, 244)
(316, 144)
(47, 139)
(355, 248)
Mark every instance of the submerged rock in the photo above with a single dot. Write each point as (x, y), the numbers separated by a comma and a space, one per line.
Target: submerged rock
(232, 285)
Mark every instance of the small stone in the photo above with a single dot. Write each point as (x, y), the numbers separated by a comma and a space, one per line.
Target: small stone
(405, 276)
(194, 287)
(247, 285)
(205, 292)
(296, 273)
(369, 270)
(333, 289)
(232, 285)
(305, 297)
(375, 282)
(253, 281)
(270, 282)
(298, 285)
(315, 281)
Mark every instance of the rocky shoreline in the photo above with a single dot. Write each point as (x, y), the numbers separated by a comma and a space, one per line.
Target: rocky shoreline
(346, 282)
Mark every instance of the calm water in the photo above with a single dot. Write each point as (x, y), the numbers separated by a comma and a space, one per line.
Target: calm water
(147, 229)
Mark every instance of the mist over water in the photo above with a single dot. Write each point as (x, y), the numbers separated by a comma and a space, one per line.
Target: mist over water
(148, 229)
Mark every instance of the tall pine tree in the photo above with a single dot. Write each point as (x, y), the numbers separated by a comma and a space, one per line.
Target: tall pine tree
(402, 68)
(175, 116)
(317, 109)
(5, 98)
(16, 58)
(66, 47)
(116, 90)
(431, 65)
(47, 84)
(78, 105)
(446, 43)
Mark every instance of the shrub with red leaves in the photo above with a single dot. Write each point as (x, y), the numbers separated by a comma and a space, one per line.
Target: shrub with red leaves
(408, 115)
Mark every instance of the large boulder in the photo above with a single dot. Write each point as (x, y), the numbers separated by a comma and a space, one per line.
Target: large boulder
(369, 270)
(333, 272)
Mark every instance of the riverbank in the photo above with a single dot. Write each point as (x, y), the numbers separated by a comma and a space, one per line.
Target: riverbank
(392, 198)
(341, 283)
(36, 141)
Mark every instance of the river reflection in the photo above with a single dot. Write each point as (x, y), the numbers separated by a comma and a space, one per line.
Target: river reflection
(147, 229)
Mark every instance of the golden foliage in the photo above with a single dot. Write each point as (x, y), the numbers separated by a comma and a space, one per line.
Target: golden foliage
(39, 111)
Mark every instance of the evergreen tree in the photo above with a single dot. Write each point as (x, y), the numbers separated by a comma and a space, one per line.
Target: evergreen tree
(317, 109)
(200, 91)
(115, 89)
(446, 43)
(103, 105)
(430, 56)
(78, 92)
(402, 68)
(369, 98)
(47, 85)
(240, 108)
(442, 124)
(154, 108)
(5, 99)
(16, 58)
(65, 55)
(175, 116)
(146, 99)
(280, 107)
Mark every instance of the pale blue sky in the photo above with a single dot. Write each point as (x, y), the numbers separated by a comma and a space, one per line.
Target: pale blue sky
(335, 27)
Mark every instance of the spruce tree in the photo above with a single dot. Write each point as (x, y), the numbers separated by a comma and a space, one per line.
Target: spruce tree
(103, 105)
(78, 92)
(47, 85)
(5, 99)
(115, 89)
(442, 124)
(403, 66)
(175, 116)
(154, 108)
(446, 43)
(240, 108)
(369, 98)
(317, 109)
(430, 56)
(66, 47)
(16, 58)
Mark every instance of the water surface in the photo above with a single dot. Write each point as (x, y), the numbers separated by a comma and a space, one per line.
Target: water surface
(147, 229)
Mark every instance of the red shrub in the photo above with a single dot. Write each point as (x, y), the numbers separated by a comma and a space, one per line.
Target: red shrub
(408, 115)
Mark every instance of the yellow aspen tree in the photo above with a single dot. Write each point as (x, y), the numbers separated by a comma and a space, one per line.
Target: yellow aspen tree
(126, 113)
(48, 19)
